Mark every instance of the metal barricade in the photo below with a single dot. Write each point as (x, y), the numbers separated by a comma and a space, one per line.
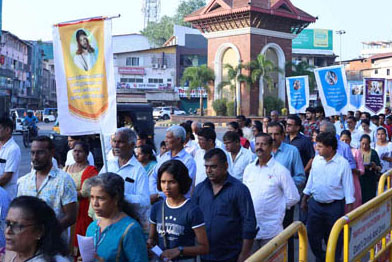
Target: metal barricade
(363, 228)
(276, 249)
(386, 177)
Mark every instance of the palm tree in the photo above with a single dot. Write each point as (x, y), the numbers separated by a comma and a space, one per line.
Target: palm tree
(198, 77)
(300, 69)
(234, 76)
(262, 68)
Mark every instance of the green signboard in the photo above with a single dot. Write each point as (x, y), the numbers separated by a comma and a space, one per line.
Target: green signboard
(320, 39)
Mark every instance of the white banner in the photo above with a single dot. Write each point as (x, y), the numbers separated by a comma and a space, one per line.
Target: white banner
(86, 91)
(297, 93)
(332, 87)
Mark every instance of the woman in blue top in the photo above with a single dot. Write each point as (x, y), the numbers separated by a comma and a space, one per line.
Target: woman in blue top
(183, 221)
(117, 235)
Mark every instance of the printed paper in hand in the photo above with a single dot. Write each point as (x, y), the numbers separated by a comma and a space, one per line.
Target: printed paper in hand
(86, 248)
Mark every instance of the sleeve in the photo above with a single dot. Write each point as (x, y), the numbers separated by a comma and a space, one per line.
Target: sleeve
(69, 192)
(247, 213)
(154, 179)
(290, 191)
(299, 172)
(134, 245)
(90, 158)
(348, 183)
(196, 217)
(349, 156)
(142, 195)
(375, 158)
(154, 212)
(359, 161)
(12, 161)
(309, 149)
(309, 184)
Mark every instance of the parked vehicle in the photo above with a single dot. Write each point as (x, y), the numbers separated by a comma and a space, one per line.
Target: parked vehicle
(135, 116)
(17, 115)
(166, 111)
(49, 115)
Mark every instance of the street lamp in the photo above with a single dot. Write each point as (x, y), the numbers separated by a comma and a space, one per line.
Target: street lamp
(340, 33)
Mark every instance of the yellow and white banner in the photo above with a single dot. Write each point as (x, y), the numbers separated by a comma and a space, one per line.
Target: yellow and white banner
(86, 94)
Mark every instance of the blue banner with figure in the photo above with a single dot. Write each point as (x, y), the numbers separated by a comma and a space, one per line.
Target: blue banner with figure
(297, 93)
(355, 95)
(332, 87)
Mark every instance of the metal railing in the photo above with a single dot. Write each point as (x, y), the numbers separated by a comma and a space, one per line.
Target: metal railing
(386, 177)
(276, 249)
(363, 228)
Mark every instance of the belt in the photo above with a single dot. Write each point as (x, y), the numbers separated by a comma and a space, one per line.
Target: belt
(329, 203)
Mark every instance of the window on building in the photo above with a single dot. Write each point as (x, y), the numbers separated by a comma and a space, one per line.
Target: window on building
(169, 80)
(132, 61)
(131, 80)
(155, 80)
(375, 71)
(388, 72)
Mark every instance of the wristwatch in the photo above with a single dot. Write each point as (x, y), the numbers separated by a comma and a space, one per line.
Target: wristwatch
(181, 249)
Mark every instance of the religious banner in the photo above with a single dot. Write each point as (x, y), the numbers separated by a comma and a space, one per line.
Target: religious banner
(332, 86)
(355, 94)
(86, 91)
(375, 95)
(297, 93)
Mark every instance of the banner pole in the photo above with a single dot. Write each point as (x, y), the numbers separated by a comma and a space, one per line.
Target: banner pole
(103, 151)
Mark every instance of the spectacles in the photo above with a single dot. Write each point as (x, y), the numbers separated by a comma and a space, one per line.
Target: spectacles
(16, 227)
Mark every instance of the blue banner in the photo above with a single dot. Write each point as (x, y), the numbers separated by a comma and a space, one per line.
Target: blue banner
(297, 93)
(356, 94)
(332, 87)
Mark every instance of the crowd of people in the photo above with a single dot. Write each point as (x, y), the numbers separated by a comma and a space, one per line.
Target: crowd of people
(196, 197)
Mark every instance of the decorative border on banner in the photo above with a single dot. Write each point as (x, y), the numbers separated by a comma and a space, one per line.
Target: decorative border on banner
(81, 21)
(365, 95)
(292, 110)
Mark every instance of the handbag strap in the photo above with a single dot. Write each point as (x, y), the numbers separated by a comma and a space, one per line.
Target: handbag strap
(120, 244)
(163, 225)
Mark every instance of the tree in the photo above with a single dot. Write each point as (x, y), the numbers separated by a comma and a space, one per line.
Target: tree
(158, 33)
(262, 68)
(300, 69)
(234, 76)
(198, 77)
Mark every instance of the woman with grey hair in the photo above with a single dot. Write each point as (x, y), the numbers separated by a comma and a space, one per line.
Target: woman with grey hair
(117, 234)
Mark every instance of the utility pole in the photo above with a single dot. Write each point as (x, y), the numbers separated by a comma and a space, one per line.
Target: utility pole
(340, 33)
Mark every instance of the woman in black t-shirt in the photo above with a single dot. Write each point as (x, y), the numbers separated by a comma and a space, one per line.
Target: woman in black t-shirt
(183, 221)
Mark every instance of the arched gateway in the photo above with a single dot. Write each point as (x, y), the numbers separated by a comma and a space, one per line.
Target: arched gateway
(238, 31)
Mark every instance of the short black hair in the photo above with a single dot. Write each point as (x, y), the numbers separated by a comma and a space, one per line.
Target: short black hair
(366, 121)
(375, 117)
(389, 117)
(327, 139)
(231, 136)
(209, 124)
(268, 136)
(381, 128)
(179, 172)
(236, 126)
(207, 133)
(241, 117)
(345, 132)
(297, 120)
(365, 136)
(148, 150)
(367, 114)
(351, 113)
(352, 118)
(258, 125)
(311, 110)
(319, 109)
(45, 139)
(187, 127)
(163, 143)
(6, 122)
(216, 152)
(274, 124)
(381, 115)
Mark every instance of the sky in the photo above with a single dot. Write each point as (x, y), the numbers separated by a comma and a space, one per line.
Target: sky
(363, 20)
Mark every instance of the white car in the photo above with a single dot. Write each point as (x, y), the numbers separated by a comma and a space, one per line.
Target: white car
(165, 112)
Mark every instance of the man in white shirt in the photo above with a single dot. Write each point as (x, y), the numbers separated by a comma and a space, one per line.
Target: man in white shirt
(196, 126)
(355, 134)
(9, 158)
(329, 188)
(190, 145)
(126, 165)
(272, 189)
(71, 142)
(218, 143)
(239, 157)
(247, 131)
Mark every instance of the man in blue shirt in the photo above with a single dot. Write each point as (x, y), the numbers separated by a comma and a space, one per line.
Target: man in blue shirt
(289, 157)
(228, 211)
(30, 121)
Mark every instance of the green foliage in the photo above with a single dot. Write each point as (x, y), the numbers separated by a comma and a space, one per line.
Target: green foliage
(159, 33)
(220, 107)
(230, 108)
(198, 76)
(300, 69)
(272, 103)
(261, 67)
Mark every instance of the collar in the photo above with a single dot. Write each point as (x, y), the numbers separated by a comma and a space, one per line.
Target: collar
(179, 155)
(52, 173)
(131, 161)
(270, 162)
(298, 136)
(333, 159)
(229, 180)
(8, 142)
